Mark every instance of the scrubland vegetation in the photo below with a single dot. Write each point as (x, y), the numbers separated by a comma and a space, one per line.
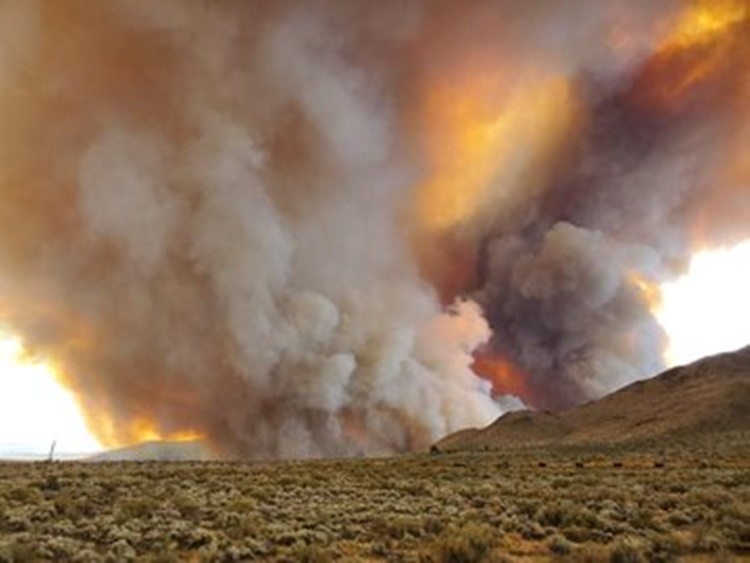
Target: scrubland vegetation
(637, 504)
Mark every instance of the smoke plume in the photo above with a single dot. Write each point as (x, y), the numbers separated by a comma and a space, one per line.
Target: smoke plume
(333, 228)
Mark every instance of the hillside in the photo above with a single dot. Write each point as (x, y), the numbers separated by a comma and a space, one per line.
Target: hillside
(156, 451)
(709, 395)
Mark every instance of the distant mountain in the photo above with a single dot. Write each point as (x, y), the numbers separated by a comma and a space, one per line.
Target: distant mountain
(157, 451)
(710, 395)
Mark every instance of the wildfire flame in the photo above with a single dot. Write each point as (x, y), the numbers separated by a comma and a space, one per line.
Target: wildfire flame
(144, 430)
(140, 428)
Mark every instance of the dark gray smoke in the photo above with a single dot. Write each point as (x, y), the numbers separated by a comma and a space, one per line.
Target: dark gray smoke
(567, 278)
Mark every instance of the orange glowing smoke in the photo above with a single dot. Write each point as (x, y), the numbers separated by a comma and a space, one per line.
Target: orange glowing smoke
(80, 337)
(728, 197)
(704, 63)
(696, 50)
(112, 432)
(465, 141)
(144, 430)
(650, 291)
(707, 21)
(145, 427)
(486, 145)
(506, 378)
(480, 140)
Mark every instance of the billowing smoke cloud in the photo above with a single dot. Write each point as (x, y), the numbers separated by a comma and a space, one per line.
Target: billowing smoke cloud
(573, 223)
(201, 226)
(568, 287)
(274, 224)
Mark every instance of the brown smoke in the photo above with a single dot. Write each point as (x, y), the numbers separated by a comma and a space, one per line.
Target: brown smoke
(274, 224)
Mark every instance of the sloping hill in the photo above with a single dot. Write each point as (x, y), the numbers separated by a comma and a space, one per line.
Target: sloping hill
(712, 394)
(157, 451)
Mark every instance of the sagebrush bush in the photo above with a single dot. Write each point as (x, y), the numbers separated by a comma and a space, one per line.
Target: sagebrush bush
(469, 543)
(628, 550)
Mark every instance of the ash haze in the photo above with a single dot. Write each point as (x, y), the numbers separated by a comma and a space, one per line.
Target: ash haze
(324, 228)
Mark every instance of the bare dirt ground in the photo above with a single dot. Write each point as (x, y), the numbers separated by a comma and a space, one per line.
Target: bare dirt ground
(688, 499)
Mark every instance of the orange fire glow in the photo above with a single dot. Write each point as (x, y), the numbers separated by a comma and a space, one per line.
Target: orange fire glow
(506, 378)
(477, 136)
(694, 51)
(706, 21)
(728, 197)
(144, 430)
(82, 337)
(650, 291)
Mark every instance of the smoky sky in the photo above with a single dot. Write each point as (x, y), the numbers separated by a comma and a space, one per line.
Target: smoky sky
(227, 217)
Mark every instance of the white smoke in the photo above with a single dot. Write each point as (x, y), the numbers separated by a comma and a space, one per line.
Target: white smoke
(237, 259)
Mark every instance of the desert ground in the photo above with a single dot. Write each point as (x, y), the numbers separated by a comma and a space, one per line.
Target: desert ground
(686, 498)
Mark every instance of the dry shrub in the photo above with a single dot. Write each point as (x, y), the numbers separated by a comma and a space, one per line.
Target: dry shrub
(449, 508)
(17, 552)
(138, 507)
(400, 527)
(591, 553)
(667, 547)
(312, 554)
(708, 540)
(469, 543)
(559, 545)
(628, 550)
